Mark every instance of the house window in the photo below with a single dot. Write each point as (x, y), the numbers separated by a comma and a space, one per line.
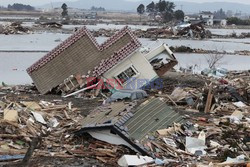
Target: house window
(127, 74)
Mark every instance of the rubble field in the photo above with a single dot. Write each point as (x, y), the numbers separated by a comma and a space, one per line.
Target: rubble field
(41, 130)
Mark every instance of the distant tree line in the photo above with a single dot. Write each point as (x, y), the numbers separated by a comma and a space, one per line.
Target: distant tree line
(220, 14)
(101, 9)
(64, 10)
(237, 21)
(20, 7)
(165, 9)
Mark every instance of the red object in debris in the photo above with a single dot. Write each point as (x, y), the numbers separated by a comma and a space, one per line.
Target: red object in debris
(224, 82)
(202, 119)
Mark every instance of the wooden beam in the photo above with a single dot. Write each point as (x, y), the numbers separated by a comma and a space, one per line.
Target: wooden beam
(167, 96)
(209, 99)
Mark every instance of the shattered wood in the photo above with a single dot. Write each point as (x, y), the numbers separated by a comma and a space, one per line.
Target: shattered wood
(220, 112)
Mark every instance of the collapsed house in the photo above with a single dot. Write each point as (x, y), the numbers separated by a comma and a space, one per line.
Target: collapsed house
(80, 59)
(14, 28)
(193, 30)
(51, 25)
(129, 124)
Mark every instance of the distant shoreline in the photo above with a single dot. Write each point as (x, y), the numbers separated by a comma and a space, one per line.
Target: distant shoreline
(23, 51)
(195, 51)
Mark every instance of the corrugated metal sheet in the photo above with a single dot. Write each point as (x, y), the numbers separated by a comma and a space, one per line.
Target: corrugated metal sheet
(132, 123)
(152, 115)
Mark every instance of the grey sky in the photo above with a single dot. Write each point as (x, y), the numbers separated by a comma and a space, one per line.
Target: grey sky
(41, 2)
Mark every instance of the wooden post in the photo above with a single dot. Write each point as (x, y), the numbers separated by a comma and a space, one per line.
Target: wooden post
(209, 99)
(34, 143)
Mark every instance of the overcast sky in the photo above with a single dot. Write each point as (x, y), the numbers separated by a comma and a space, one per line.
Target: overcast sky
(41, 2)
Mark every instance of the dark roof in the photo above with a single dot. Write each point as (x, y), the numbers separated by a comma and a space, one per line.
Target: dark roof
(81, 54)
(193, 16)
(206, 12)
(132, 121)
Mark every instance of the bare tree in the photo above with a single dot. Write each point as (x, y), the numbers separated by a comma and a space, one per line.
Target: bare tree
(214, 60)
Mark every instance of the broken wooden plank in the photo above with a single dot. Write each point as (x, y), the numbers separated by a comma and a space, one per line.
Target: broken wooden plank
(59, 107)
(28, 155)
(10, 115)
(66, 114)
(209, 99)
(167, 96)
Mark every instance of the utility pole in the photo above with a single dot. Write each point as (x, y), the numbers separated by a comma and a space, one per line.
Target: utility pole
(51, 5)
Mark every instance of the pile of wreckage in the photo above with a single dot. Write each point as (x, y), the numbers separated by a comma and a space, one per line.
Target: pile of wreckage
(152, 33)
(155, 33)
(205, 126)
(196, 30)
(51, 25)
(188, 123)
(187, 30)
(14, 28)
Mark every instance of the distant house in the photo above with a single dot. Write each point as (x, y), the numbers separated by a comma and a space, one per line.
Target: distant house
(207, 17)
(191, 18)
(80, 59)
(220, 22)
(90, 15)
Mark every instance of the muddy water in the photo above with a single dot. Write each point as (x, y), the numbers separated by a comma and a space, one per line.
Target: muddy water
(47, 41)
(228, 31)
(13, 65)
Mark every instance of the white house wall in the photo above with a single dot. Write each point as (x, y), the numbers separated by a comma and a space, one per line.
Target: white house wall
(156, 52)
(140, 63)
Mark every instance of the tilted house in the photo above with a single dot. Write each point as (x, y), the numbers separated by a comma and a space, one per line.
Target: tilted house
(71, 64)
(81, 53)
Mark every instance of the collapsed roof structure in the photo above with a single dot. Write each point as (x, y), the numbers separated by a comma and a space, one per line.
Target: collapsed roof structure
(129, 124)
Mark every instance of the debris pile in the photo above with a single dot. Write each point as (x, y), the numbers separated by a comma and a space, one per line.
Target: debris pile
(53, 125)
(164, 32)
(147, 33)
(243, 52)
(216, 130)
(14, 28)
(217, 127)
(244, 35)
(24, 120)
(205, 141)
(193, 31)
(212, 126)
(51, 25)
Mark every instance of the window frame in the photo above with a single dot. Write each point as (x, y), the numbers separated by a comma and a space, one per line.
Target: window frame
(123, 71)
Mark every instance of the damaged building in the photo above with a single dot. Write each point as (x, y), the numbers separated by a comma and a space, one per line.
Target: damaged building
(129, 124)
(80, 59)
